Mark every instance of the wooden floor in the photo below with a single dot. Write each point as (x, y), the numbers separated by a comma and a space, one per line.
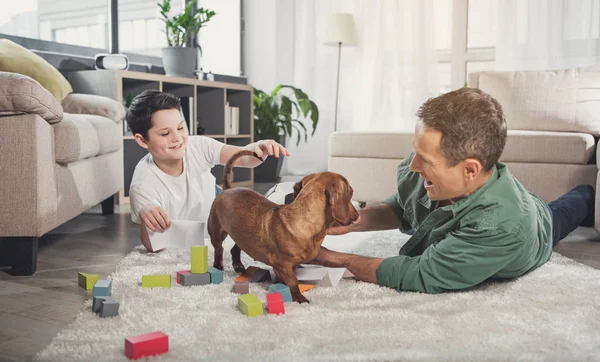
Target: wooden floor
(34, 309)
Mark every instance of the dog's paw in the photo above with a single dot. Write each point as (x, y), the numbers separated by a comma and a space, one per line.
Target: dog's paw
(239, 268)
(299, 298)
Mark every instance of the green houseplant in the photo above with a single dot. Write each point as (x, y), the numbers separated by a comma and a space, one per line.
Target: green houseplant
(276, 115)
(180, 57)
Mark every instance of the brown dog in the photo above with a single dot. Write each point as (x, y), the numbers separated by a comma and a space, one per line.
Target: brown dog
(281, 236)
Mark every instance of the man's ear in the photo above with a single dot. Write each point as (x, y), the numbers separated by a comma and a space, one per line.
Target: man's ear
(141, 141)
(472, 168)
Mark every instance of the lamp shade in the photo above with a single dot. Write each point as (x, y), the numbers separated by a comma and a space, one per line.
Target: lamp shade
(340, 28)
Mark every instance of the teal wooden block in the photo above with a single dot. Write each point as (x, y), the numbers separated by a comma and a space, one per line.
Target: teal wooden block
(102, 288)
(283, 289)
(216, 275)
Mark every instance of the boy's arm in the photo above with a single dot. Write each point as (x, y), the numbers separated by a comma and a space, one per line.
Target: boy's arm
(262, 148)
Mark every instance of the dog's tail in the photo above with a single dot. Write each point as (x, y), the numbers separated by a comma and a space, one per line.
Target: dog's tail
(229, 166)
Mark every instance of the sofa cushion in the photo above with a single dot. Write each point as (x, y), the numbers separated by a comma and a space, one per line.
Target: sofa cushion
(370, 144)
(17, 59)
(93, 104)
(22, 94)
(548, 147)
(563, 100)
(81, 136)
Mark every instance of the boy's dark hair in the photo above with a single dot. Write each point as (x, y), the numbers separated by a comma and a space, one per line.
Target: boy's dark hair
(143, 106)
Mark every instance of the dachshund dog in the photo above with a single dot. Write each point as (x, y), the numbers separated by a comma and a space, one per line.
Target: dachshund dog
(282, 236)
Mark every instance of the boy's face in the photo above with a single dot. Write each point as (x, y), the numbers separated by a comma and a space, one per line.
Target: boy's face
(167, 139)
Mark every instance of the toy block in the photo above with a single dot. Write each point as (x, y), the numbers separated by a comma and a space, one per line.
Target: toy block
(305, 287)
(156, 281)
(216, 275)
(254, 275)
(145, 345)
(102, 288)
(275, 303)
(109, 308)
(98, 303)
(241, 287)
(250, 305)
(87, 281)
(195, 279)
(199, 259)
(283, 289)
(179, 273)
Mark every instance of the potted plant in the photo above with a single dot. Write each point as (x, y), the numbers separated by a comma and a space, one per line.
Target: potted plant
(276, 115)
(180, 57)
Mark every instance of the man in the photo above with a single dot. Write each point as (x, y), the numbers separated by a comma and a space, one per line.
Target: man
(472, 219)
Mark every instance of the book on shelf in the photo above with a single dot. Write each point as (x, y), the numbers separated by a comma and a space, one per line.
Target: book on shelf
(232, 120)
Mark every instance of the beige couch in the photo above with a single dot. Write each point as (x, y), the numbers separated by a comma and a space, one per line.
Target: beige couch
(56, 161)
(554, 124)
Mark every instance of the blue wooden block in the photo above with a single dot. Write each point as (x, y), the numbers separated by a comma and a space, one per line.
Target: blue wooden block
(283, 289)
(216, 275)
(102, 288)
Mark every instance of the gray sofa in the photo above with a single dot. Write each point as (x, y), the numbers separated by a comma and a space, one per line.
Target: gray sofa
(554, 124)
(56, 161)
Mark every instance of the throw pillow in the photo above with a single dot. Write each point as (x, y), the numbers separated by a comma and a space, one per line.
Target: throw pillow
(17, 59)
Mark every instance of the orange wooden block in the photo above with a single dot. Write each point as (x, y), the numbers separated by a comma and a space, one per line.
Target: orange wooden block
(305, 287)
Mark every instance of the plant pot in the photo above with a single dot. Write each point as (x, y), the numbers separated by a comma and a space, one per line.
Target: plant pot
(180, 61)
(269, 171)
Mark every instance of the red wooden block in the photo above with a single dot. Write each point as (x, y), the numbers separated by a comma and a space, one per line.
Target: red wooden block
(275, 303)
(182, 272)
(149, 344)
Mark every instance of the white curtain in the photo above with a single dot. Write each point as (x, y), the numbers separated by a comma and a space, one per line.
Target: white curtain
(383, 79)
(547, 34)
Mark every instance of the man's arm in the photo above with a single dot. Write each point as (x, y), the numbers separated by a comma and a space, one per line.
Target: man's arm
(372, 218)
(364, 268)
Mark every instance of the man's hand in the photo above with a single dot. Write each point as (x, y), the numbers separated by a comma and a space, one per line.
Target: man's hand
(155, 218)
(364, 268)
(270, 148)
(339, 230)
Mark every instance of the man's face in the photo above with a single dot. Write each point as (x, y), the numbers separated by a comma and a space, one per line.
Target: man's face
(167, 139)
(440, 181)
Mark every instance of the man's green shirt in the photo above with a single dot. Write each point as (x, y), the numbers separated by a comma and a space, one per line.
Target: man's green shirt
(501, 231)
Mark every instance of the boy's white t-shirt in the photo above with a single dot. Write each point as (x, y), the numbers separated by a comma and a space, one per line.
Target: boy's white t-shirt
(188, 196)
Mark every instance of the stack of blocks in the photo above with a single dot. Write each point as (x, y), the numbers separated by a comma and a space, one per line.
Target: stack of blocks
(250, 305)
(251, 275)
(104, 304)
(201, 273)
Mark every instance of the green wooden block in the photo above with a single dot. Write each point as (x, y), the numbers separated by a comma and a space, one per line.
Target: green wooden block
(199, 259)
(156, 281)
(87, 281)
(250, 305)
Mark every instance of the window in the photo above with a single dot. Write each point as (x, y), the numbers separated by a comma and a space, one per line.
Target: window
(71, 22)
(140, 28)
(465, 39)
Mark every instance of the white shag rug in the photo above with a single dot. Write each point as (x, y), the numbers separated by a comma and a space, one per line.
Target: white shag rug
(551, 314)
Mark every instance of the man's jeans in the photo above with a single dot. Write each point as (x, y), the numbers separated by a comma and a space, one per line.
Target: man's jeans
(572, 209)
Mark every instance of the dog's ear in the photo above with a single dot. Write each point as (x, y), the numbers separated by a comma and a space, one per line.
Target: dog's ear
(300, 184)
(338, 200)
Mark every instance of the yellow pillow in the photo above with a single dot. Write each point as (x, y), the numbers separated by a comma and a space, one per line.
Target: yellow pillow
(17, 59)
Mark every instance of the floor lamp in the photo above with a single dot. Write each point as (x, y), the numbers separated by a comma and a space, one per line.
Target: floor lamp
(340, 31)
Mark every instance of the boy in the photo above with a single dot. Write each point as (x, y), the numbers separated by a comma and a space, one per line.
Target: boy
(174, 182)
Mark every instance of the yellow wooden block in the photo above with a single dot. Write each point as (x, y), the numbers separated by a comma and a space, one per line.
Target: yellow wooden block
(199, 259)
(156, 281)
(87, 281)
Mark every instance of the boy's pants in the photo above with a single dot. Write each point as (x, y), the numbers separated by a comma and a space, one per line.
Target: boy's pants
(572, 209)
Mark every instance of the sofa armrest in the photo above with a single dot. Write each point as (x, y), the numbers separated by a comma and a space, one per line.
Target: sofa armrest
(21, 94)
(78, 103)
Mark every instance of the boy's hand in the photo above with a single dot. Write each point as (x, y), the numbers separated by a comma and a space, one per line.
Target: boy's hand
(155, 218)
(270, 148)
